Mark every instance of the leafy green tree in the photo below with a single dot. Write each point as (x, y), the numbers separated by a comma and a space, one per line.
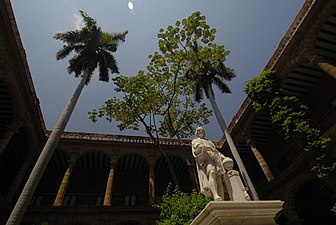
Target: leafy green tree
(180, 208)
(93, 48)
(190, 43)
(158, 101)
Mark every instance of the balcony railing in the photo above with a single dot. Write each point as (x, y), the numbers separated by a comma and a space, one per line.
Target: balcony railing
(74, 199)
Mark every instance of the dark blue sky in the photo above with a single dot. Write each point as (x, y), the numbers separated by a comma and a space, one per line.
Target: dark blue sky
(250, 29)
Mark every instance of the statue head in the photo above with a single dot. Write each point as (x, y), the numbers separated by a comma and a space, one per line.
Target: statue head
(200, 132)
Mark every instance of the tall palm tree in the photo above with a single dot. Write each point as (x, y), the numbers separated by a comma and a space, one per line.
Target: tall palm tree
(93, 48)
(208, 75)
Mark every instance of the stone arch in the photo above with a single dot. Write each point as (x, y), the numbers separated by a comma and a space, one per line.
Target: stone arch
(290, 189)
(131, 180)
(8, 81)
(88, 180)
(122, 154)
(321, 19)
(306, 51)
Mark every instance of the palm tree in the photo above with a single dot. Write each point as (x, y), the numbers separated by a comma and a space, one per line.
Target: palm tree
(93, 48)
(203, 79)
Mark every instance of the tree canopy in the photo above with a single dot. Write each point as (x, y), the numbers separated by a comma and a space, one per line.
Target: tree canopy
(92, 47)
(193, 41)
(161, 98)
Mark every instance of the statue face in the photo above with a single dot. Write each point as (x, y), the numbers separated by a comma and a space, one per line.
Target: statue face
(200, 133)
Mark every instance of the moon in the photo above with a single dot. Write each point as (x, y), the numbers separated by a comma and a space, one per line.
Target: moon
(130, 5)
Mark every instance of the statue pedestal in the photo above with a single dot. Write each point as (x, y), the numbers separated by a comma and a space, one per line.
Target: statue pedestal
(238, 213)
(235, 187)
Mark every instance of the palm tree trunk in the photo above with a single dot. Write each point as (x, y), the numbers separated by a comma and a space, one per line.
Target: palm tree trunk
(232, 146)
(22, 203)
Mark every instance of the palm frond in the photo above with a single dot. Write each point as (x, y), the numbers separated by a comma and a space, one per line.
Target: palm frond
(111, 63)
(103, 70)
(221, 85)
(66, 50)
(120, 36)
(69, 37)
(198, 92)
(111, 41)
(93, 48)
(75, 65)
(63, 52)
(88, 21)
(224, 72)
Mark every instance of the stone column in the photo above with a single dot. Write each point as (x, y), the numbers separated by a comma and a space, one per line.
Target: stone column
(260, 159)
(328, 68)
(151, 188)
(109, 186)
(308, 55)
(64, 185)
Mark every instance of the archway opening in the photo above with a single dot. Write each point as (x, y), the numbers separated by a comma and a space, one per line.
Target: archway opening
(130, 185)
(88, 182)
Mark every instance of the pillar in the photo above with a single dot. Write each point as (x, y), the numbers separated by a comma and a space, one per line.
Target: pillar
(328, 68)
(151, 188)
(324, 64)
(109, 186)
(260, 159)
(64, 185)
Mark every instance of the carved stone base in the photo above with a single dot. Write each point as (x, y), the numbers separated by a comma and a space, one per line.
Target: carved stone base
(238, 213)
(235, 187)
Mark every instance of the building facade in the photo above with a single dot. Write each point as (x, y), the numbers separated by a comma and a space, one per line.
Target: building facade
(112, 179)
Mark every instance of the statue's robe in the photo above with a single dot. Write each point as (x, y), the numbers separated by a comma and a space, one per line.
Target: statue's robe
(205, 153)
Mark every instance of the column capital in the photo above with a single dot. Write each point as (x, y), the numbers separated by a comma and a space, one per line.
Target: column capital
(71, 163)
(113, 163)
(309, 56)
(248, 138)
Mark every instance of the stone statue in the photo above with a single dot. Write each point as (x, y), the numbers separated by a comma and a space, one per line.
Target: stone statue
(215, 171)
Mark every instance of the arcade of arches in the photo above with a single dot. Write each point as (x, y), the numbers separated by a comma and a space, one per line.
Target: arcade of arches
(111, 179)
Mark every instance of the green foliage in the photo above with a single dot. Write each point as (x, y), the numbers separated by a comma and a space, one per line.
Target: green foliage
(160, 102)
(325, 165)
(288, 114)
(92, 47)
(334, 209)
(263, 89)
(190, 44)
(160, 98)
(180, 208)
